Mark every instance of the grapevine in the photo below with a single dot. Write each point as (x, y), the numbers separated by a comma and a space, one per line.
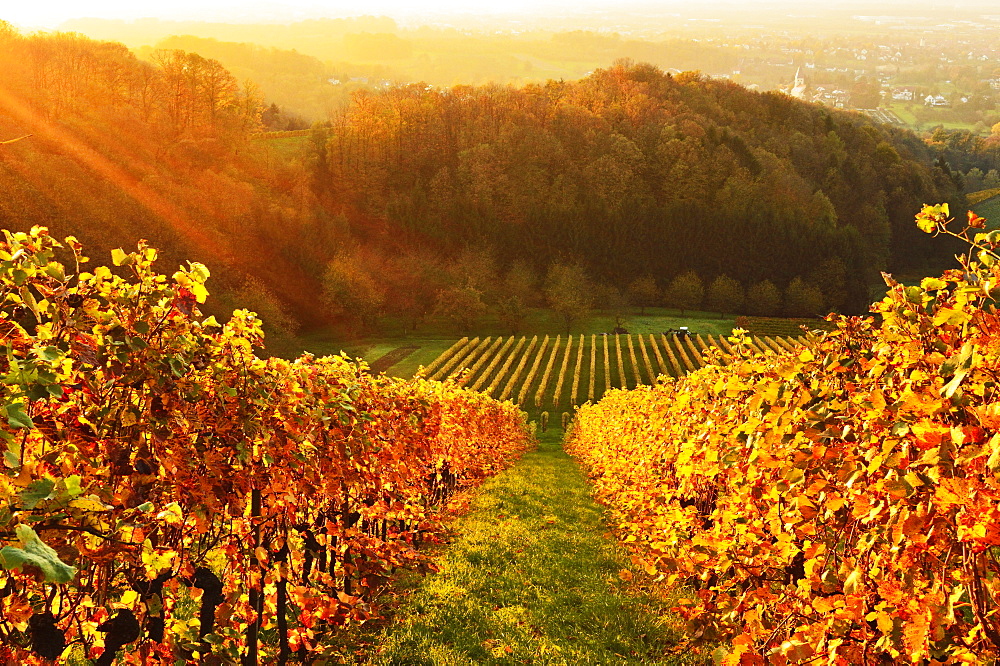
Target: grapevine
(835, 503)
(540, 394)
(593, 368)
(456, 360)
(512, 382)
(534, 371)
(443, 358)
(153, 464)
(659, 357)
(557, 394)
(498, 379)
(670, 356)
(576, 375)
(494, 362)
(621, 363)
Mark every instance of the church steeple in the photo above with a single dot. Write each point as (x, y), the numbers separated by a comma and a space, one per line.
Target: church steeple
(798, 89)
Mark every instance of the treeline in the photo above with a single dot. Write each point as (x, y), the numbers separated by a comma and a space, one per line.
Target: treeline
(301, 88)
(971, 160)
(123, 149)
(634, 172)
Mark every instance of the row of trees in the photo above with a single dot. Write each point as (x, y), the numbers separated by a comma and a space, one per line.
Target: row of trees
(366, 288)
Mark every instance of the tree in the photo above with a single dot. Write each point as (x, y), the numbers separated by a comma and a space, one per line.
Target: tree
(511, 311)
(351, 293)
(763, 299)
(476, 267)
(685, 292)
(413, 281)
(279, 326)
(521, 280)
(644, 292)
(568, 292)
(612, 301)
(830, 276)
(974, 179)
(802, 299)
(725, 295)
(462, 306)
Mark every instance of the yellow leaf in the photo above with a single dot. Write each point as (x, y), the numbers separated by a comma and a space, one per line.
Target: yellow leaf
(156, 562)
(884, 621)
(199, 291)
(88, 503)
(853, 581)
(932, 284)
(950, 316)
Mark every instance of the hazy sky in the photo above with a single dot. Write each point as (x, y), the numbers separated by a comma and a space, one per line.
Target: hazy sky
(50, 13)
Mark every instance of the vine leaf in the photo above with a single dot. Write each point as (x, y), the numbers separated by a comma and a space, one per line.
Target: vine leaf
(36, 553)
(16, 416)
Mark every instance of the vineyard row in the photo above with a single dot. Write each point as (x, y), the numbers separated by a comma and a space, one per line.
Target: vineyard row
(554, 373)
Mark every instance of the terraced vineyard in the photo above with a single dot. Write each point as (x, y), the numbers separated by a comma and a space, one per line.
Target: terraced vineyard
(561, 373)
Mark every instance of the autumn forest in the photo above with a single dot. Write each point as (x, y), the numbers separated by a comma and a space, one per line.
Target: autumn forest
(630, 173)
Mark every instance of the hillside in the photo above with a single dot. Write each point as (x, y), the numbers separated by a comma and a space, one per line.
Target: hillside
(122, 149)
(632, 171)
(416, 191)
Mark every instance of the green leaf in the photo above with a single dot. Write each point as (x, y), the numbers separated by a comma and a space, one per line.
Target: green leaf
(136, 344)
(69, 487)
(900, 429)
(51, 353)
(36, 553)
(56, 271)
(178, 366)
(37, 490)
(16, 416)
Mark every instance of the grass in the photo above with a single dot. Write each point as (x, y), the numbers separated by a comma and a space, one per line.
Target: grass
(975, 198)
(530, 578)
(289, 147)
(990, 209)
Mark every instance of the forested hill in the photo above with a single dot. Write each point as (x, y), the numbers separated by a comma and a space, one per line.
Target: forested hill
(630, 173)
(633, 171)
(123, 149)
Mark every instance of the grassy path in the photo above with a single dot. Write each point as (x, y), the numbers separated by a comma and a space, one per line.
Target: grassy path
(530, 578)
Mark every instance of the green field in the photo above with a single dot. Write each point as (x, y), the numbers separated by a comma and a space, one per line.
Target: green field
(287, 147)
(990, 209)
